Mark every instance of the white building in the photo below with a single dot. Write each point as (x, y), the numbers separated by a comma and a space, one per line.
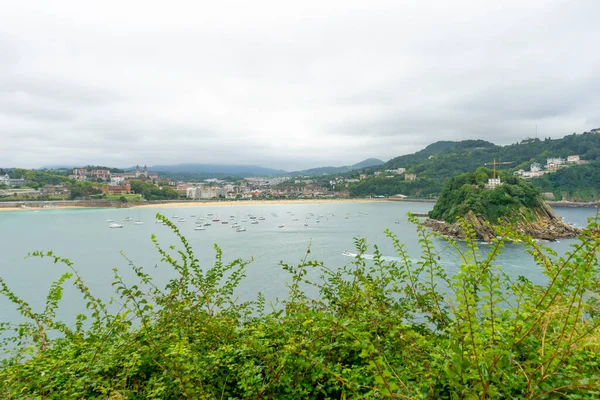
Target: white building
(493, 182)
(573, 159)
(8, 181)
(205, 192)
(116, 180)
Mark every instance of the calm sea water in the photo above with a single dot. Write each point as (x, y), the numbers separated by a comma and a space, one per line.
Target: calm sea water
(83, 236)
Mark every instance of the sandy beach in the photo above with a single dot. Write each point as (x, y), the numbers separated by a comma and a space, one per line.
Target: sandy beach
(200, 204)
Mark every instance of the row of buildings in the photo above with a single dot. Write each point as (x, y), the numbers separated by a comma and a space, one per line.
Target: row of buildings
(552, 164)
(249, 191)
(113, 178)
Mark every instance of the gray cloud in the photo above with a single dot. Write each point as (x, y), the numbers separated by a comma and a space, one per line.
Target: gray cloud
(288, 85)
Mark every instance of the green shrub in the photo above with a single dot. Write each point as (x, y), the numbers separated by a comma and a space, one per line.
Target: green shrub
(376, 329)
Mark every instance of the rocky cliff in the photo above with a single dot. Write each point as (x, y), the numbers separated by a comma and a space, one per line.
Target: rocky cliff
(539, 223)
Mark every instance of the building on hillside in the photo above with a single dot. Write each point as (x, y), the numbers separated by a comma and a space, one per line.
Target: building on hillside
(140, 174)
(377, 173)
(410, 177)
(117, 189)
(8, 181)
(116, 180)
(313, 190)
(103, 174)
(555, 162)
(79, 174)
(286, 191)
(363, 177)
(397, 171)
(493, 182)
(55, 190)
(573, 159)
(80, 171)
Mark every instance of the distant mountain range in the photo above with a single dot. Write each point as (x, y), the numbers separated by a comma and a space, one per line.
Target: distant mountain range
(253, 170)
(240, 170)
(369, 162)
(216, 169)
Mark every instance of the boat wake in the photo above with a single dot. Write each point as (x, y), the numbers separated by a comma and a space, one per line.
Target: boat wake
(371, 256)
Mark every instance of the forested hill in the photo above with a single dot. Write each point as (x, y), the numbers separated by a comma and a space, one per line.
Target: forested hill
(369, 162)
(440, 161)
(434, 149)
(453, 158)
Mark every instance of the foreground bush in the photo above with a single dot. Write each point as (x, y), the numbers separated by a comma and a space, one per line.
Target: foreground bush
(377, 329)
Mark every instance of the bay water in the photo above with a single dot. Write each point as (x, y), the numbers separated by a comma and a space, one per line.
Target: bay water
(84, 236)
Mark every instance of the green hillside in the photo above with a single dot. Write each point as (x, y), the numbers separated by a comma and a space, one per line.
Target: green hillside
(439, 162)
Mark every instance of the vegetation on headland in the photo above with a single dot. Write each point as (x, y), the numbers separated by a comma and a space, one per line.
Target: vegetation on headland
(514, 202)
(376, 329)
(468, 192)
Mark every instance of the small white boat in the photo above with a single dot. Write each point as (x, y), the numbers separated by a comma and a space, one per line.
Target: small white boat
(318, 220)
(305, 224)
(138, 222)
(200, 228)
(254, 222)
(115, 225)
(206, 224)
(110, 220)
(240, 229)
(181, 220)
(127, 219)
(280, 226)
(294, 219)
(261, 218)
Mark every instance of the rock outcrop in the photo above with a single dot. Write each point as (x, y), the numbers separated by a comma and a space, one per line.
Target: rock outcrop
(545, 225)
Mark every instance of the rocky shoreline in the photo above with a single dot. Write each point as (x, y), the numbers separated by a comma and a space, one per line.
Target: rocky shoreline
(545, 226)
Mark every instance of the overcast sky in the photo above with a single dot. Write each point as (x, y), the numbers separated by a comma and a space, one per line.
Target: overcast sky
(288, 85)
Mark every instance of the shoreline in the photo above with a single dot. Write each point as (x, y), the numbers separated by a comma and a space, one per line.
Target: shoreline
(177, 204)
(82, 204)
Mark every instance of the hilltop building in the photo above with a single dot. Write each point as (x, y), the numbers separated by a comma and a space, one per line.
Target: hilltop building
(493, 182)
